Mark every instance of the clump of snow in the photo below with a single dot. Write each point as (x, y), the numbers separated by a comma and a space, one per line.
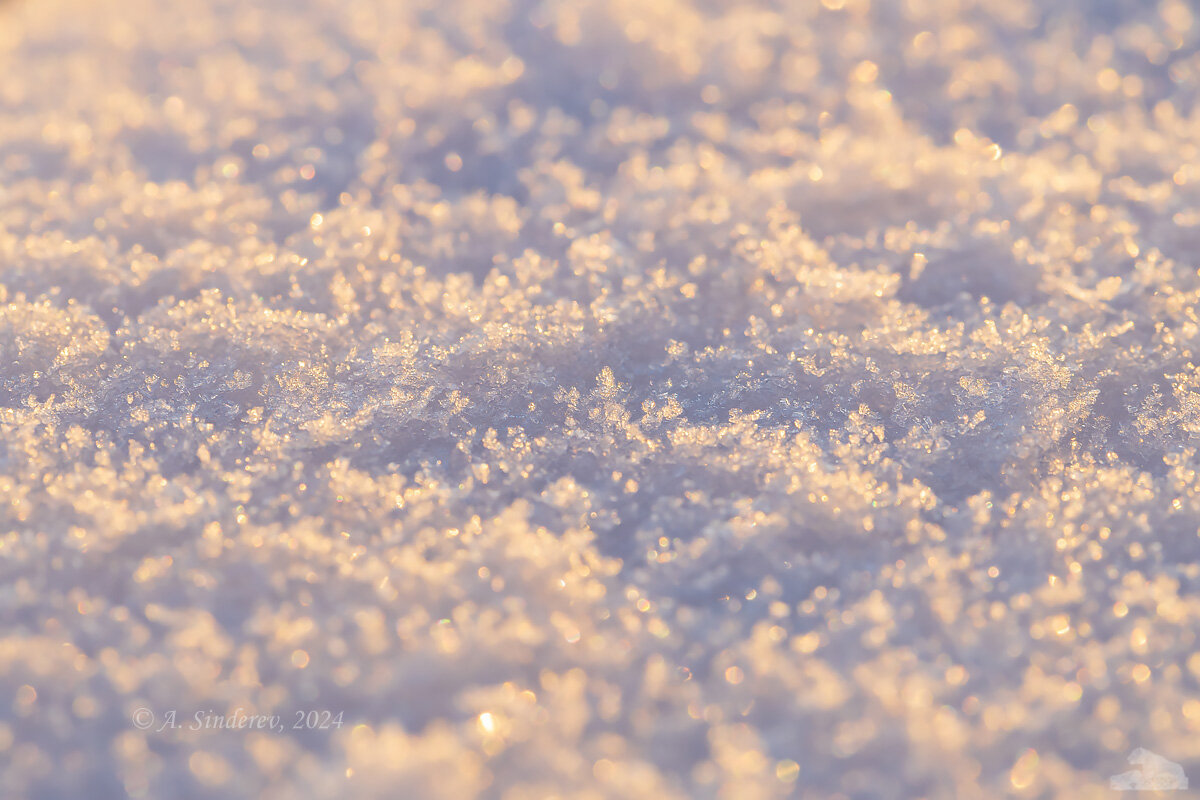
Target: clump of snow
(596, 398)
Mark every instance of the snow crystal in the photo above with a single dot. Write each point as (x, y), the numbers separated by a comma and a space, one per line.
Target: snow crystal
(598, 399)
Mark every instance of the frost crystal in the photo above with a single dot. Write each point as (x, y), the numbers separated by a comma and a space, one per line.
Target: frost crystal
(598, 398)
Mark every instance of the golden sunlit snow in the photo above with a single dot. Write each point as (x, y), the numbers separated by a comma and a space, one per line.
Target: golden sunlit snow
(530, 399)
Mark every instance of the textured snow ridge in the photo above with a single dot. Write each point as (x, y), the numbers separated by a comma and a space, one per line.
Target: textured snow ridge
(586, 399)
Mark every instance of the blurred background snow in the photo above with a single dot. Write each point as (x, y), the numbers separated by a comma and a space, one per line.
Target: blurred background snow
(598, 398)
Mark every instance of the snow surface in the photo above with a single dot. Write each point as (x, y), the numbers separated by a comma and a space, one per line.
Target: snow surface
(598, 398)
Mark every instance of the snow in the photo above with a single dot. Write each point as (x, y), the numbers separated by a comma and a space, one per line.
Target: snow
(597, 398)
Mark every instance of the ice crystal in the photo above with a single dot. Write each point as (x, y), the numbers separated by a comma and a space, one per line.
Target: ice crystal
(680, 399)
